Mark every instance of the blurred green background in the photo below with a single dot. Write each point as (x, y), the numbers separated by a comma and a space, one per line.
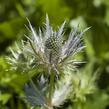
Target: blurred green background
(94, 13)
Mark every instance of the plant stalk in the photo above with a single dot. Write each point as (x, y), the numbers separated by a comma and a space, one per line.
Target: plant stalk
(51, 89)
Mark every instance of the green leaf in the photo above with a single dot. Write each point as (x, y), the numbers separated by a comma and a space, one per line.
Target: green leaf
(4, 98)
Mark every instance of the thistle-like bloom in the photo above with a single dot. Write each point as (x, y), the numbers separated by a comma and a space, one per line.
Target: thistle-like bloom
(48, 50)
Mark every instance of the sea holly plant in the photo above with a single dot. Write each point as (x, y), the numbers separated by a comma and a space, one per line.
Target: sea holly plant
(53, 59)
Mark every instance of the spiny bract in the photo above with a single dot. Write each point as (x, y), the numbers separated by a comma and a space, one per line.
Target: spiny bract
(48, 48)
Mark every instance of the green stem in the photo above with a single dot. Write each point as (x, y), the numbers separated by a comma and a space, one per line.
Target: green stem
(80, 105)
(51, 89)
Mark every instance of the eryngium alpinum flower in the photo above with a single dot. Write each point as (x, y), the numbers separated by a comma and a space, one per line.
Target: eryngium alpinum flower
(49, 49)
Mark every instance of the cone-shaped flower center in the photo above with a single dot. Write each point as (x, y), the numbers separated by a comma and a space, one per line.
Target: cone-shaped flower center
(52, 48)
(52, 43)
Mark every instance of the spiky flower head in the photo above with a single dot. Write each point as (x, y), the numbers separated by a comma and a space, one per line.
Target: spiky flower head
(48, 50)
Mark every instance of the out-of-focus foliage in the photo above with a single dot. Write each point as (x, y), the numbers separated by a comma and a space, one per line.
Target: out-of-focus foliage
(94, 13)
